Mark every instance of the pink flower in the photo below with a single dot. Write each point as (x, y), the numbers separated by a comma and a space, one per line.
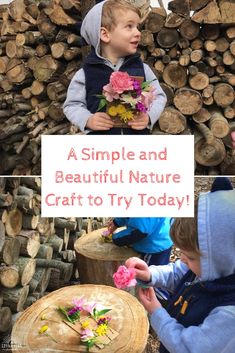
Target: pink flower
(86, 335)
(124, 277)
(110, 93)
(78, 302)
(121, 81)
(147, 98)
(90, 307)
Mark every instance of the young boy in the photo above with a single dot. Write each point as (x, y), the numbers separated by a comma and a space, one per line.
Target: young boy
(200, 316)
(111, 28)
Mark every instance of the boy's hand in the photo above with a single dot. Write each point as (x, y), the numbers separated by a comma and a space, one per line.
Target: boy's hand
(141, 268)
(99, 121)
(140, 122)
(148, 299)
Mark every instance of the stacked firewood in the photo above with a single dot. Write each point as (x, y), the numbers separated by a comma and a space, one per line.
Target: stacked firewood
(193, 56)
(36, 254)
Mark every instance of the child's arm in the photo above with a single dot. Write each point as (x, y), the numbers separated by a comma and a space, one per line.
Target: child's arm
(75, 107)
(159, 103)
(215, 334)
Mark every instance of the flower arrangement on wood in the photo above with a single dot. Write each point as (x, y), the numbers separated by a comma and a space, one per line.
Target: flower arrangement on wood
(91, 330)
(107, 236)
(89, 320)
(125, 96)
(124, 277)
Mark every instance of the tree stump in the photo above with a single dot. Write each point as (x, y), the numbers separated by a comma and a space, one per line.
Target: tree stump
(128, 319)
(97, 260)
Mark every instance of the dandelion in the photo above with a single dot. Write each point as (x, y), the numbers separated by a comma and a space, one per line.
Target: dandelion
(127, 116)
(85, 324)
(101, 329)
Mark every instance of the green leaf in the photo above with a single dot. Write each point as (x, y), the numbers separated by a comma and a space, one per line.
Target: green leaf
(102, 312)
(102, 103)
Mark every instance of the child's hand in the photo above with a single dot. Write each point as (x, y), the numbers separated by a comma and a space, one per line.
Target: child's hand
(141, 268)
(148, 299)
(99, 121)
(140, 122)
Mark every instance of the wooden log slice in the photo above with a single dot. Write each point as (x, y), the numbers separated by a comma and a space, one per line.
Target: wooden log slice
(219, 124)
(209, 155)
(221, 44)
(128, 319)
(227, 10)
(187, 101)
(169, 93)
(230, 32)
(17, 72)
(209, 14)
(201, 116)
(99, 260)
(175, 75)
(45, 68)
(172, 121)
(3, 64)
(154, 22)
(180, 7)
(15, 298)
(26, 267)
(45, 252)
(9, 276)
(210, 31)
(10, 251)
(5, 319)
(167, 37)
(199, 81)
(189, 29)
(223, 94)
(28, 246)
(14, 223)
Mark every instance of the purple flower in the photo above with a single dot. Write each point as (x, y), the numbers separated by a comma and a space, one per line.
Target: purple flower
(74, 310)
(136, 85)
(141, 107)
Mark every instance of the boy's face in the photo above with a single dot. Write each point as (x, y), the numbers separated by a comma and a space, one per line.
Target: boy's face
(123, 39)
(192, 260)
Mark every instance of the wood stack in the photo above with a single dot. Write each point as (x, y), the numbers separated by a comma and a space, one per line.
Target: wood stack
(194, 59)
(36, 254)
(192, 55)
(39, 54)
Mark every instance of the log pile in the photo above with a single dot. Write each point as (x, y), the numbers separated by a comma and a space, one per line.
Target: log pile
(191, 50)
(36, 254)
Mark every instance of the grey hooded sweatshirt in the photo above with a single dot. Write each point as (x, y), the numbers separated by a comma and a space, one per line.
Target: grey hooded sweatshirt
(216, 235)
(75, 107)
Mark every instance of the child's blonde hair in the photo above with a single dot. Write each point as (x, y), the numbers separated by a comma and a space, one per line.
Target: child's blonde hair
(184, 232)
(109, 12)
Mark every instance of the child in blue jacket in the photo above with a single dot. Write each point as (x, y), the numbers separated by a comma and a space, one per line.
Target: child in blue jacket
(200, 316)
(148, 236)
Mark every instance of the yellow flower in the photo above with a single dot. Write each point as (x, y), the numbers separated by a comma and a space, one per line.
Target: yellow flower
(101, 329)
(112, 111)
(43, 329)
(85, 324)
(127, 116)
(121, 109)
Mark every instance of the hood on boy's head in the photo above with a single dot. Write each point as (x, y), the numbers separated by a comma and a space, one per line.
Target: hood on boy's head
(91, 24)
(216, 230)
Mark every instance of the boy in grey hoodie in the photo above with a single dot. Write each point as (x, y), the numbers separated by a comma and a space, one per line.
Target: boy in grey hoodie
(111, 28)
(200, 316)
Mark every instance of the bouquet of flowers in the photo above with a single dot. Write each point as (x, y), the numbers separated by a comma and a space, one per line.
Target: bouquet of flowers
(125, 96)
